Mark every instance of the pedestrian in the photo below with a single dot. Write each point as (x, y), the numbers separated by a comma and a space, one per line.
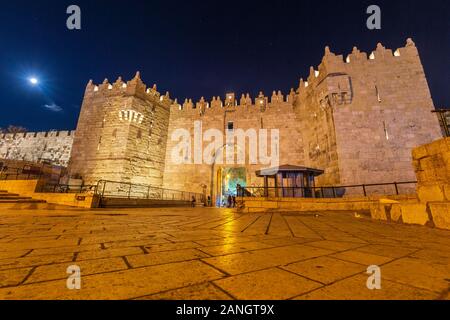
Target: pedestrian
(234, 201)
(193, 202)
(230, 200)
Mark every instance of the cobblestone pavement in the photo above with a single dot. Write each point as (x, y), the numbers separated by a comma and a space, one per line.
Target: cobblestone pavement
(217, 254)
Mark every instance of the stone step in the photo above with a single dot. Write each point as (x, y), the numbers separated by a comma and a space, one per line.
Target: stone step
(4, 195)
(14, 198)
(21, 201)
(16, 206)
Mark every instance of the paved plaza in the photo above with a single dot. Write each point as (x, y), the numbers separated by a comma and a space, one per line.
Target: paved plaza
(216, 254)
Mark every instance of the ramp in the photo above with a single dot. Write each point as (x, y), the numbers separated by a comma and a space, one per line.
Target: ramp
(113, 194)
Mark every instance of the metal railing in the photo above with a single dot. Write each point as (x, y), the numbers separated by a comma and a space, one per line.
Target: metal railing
(124, 190)
(64, 188)
(24, 173)
(444, 120)
(394, 188)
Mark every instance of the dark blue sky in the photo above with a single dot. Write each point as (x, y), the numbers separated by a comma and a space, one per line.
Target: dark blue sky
(195, 48)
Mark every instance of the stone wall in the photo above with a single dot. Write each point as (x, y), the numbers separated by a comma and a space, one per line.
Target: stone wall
(355, 118)
(52, 147)
(121, 134)
(432, 166)
(365, 115)
(278, 114)
(432, 207)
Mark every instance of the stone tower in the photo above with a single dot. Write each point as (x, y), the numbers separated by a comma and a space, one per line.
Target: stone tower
(121, 134)
(365, 113)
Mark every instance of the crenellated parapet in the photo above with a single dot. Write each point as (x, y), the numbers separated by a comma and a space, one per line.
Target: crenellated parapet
(38, 135)
(331, 82)
(49, 146)
(134, 87)
(229, 102)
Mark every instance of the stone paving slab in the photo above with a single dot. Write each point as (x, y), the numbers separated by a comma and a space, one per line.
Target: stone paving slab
(355, 288)
(205, 291)
(89, 267)
(361, 257)
(270, 284)
(325, 270)
(256, 260)
(206, 253)
(13, 277)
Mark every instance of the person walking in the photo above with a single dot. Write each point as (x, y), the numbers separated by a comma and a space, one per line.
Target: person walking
(230, 200)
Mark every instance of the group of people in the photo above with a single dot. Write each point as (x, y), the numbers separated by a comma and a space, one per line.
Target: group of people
(208, 202)
(226, 202)
(229, 202)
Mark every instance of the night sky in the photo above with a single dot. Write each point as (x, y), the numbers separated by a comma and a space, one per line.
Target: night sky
(195, 49)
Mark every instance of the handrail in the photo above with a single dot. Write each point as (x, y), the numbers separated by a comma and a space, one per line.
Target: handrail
(27, 172)
(315, 192)
(7, 173)
(65, 188)
(143, 191)
(141, 185)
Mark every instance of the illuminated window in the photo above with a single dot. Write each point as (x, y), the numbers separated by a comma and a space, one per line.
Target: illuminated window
(131, 116)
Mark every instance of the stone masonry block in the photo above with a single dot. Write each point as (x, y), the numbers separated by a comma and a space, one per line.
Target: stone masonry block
(441, 214)
(446, 157)
(414, 214)
(419, 153)
(416, 165)
(396, 212)
(378, 212)
(428, 163)
(430, 193)
(421, 176)
(447, 192)
(436, 147)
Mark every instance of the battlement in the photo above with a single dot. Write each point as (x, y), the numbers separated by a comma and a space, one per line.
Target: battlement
(331, 77)
(333, 64)
(229, 102)
(133, 87)
(333, 73)
(38, 147)
(38, 135)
